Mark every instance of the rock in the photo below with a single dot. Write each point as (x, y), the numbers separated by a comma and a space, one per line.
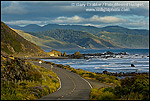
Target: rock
(132, 65)
(65, 54)
(86, 58)
(105, 72)
(54, 53)
(109, 53)
(77, 55)
(123, 53)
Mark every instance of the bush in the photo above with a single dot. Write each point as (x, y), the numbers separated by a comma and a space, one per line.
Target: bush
(107, 96)
(24, 81)
(136, 87)
(102, 94)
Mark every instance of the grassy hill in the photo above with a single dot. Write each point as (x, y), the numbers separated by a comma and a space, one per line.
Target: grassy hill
(81, 39)
(126, 40)
(13, 43)
(20, 79)
(33, 39)
(46, 42)
(122, 30)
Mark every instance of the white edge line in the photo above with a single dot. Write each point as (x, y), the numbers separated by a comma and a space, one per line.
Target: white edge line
(82, 78)
(60, 83)
(86, 81)
(79, 76)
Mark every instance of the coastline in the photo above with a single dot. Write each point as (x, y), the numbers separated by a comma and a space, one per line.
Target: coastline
(120, 75)
(106, 55)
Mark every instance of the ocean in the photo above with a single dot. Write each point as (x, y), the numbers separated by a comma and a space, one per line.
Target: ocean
(138, 57)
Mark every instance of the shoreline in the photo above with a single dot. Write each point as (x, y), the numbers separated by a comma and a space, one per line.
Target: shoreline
(107, 54)
(78, 55)
(119, 75)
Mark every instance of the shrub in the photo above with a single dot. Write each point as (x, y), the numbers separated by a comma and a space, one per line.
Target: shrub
(107, 96)
(102, 94)
(134, 88)
(23, 81)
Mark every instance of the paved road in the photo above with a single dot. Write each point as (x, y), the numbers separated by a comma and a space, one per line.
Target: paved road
(73, 87)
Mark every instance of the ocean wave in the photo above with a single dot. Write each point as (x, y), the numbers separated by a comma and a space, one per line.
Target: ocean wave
(117, 68)
(69, 63)
(142, 67)
(142, 61)
(114, 67)
(109, 64)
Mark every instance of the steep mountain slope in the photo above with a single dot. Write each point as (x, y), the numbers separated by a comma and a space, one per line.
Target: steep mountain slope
(12, 43)
(126, 40)
(79, 38)
(122, 30)
(46, 42)
(33, 39)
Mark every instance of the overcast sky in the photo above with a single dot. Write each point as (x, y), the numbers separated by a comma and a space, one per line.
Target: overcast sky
(128, 14)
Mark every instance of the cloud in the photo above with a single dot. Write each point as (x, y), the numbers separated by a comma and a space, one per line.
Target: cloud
(61, 12)
(74, 19)
(14, 8)
(137, 24)
(95, 18)
(96, 25)
(106, 19)
(23, 22)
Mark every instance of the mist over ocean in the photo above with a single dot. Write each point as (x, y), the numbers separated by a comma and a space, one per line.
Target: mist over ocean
(138, 57)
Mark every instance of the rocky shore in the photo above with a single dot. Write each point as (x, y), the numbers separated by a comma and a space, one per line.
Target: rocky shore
(54, 54)
(106, 55)
(78, 55)
(122, 74)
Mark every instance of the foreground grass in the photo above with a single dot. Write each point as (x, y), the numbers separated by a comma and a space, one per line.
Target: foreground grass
(21, 80)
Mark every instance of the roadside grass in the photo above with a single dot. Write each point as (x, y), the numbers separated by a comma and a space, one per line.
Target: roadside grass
(22, 80)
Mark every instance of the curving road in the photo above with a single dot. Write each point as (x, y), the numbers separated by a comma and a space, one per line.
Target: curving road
(73, 87)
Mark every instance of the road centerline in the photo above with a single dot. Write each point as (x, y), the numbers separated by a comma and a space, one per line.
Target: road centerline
(72, 82)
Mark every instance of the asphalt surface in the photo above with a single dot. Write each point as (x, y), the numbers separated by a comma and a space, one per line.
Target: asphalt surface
(73, 87)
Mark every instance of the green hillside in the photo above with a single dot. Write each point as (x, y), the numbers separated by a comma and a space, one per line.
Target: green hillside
(122, 30)
(46, 42)
(126, 40)
(90, 29)
(33, 39)
(81, 39)
(12, 43)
